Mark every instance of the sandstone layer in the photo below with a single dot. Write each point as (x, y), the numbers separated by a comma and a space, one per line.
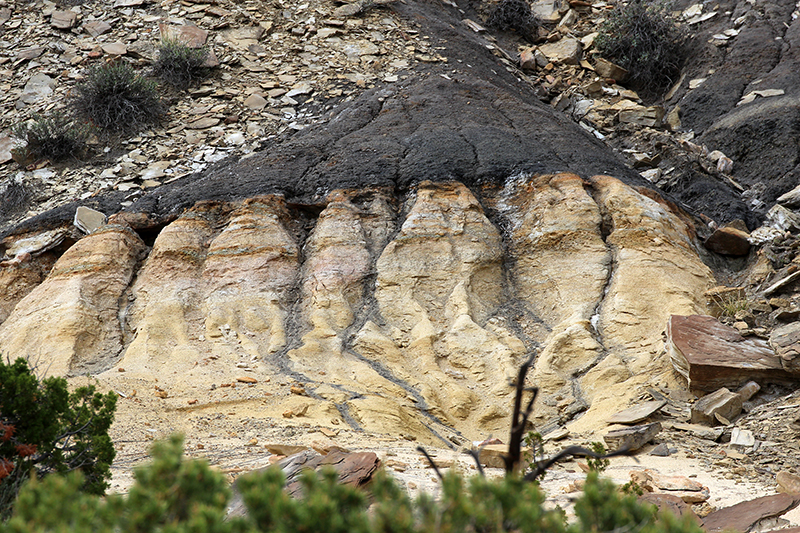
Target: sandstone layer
(405, 314)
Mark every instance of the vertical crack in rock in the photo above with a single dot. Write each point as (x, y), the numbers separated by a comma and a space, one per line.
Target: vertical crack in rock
(560, 265)
(439, 282)
(658, 272)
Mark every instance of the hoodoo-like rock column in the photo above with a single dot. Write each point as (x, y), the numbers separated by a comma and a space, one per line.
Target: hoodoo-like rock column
(70, 323)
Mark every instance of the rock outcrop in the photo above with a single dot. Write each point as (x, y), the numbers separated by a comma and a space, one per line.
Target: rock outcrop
(402, 314)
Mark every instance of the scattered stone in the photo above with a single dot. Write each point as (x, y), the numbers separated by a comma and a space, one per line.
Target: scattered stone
(669, 503)
(255, 102)
(493, 455)
(781, 283)
(643, 116)
(246, 379)
(785, 340)
(36, 244)
(711, 355)
(662, 450)
(527, 59)
(788, 482)
(742, 437)
(638, 413)
(115, 49)
(609, 70)
(749, 97)
(96, 28)
(88, 220)
(631, 438)
(549, 11)
(565, 51)
(30, 53)
(63, 20)
(703, 432)
(285, 449)
(7, 144)
(722, 403)
(791, 198)
(203, 123)
(39, 87)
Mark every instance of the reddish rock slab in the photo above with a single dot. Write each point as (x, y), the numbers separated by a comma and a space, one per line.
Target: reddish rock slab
(711, 355)
(744, 516)
(669, 503)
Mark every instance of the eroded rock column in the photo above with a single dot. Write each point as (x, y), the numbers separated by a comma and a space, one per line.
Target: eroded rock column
(69, 323)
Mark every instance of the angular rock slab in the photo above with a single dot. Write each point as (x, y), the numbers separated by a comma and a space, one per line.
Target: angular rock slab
(711, 355)
(744, 516)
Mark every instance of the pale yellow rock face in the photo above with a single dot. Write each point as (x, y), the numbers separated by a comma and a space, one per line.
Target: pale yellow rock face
(398, 315)
(69, 323)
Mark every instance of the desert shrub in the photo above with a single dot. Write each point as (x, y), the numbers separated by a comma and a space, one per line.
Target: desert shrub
(515, 15)
(645, 40)
(14, 196)
(179, 496)
(45, 429)
(180, 65)
(116, 99)
(55, 136)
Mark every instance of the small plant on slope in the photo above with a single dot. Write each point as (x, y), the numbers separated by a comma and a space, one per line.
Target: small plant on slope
(644, 39)
(55, 136)
(515, 15)
(116, 99)
(179, 64)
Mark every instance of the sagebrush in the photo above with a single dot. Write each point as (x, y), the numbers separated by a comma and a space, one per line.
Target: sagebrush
(55, 136)
(644, 39)
(515, 15)
(45, 429)
(117, 99)
(177, 495)
(180, 65)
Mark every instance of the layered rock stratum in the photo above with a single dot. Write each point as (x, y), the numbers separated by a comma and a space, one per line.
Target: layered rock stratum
(404, 314)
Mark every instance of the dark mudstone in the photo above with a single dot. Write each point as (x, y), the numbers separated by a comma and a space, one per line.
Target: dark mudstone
(762, 137)
(468, 119)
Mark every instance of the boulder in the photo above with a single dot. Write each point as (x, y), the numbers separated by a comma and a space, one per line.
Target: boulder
(729, 241)
(711, 355)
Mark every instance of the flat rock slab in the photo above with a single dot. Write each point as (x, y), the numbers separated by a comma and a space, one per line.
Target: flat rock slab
(636, 414)
(711, 355)
(633, 437)
(744, 516)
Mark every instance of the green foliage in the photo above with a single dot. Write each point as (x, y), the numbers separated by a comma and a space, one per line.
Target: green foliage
(535, 443)
(172, 495)
(55, 136)
(515, 15)
(45, 429)
(180, 65)
(598, 464)
(644, 39)
(116, 99)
